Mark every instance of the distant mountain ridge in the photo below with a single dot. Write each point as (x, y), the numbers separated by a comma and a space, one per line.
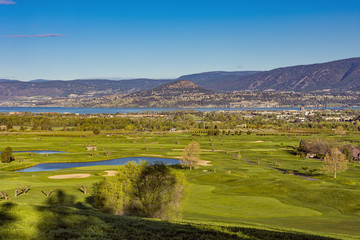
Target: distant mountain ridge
(214, 80)
(341, 75)
(10, 90)
(338, 76)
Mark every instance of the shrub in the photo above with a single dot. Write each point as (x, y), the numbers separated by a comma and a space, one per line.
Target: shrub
(317, 146)
(6, 155)
(142, 190)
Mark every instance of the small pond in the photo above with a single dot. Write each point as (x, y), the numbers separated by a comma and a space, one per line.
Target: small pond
(117, 161)
(40, 152)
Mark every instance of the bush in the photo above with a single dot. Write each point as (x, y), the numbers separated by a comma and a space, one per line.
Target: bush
(143, 190)
(318, 146)
(6, 155)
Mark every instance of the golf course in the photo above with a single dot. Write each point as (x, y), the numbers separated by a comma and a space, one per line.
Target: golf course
(239, 191)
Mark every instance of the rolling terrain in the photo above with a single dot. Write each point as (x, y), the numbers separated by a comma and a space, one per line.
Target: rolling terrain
(230, 199)
(12, 90)
(337, 76)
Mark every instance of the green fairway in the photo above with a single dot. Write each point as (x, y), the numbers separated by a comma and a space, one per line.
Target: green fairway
(231, 207)
(231, 192)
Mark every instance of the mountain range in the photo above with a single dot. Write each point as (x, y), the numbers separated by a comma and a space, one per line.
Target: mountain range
(337, 76)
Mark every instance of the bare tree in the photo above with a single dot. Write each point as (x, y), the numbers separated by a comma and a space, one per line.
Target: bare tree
(25, 188)
(83, 189)
(335, 162)
(17, 192)
(191, 155)
(4, 195)
(47, 193)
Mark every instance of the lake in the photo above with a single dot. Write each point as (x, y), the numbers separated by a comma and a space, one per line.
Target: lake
(124, 110)
(117, 161)
(139, 110)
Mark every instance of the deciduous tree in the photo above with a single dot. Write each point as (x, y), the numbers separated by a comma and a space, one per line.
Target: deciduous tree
(142, 190)
(6, 155)
(335, 162)
(191, 155)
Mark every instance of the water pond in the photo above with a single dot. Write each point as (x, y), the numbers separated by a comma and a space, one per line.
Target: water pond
(40, 152)
(117, 161)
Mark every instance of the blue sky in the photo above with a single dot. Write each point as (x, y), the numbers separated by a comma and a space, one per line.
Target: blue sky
(72, 39)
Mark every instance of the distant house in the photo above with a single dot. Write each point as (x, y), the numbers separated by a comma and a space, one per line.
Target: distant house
(91, 147)
(310, 155)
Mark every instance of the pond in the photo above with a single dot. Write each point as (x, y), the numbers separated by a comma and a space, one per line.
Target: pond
(117, 161)
(40, 152)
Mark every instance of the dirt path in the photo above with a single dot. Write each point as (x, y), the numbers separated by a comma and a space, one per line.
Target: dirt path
(283, 171)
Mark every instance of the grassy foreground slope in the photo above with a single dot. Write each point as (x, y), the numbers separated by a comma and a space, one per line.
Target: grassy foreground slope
(23, 221)
(231, 199)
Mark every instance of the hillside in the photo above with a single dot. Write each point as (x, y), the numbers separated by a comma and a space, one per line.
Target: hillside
(339, 76)
(71, 221)
(172, 89)
(215, 80)
(181, 93)
(11, 90)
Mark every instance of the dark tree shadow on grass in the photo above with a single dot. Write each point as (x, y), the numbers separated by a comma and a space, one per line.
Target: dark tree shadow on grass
(65, 219)
(6, 218)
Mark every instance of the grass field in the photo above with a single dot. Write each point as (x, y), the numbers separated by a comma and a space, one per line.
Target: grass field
(233, 198)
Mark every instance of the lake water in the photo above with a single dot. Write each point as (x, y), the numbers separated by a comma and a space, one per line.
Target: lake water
(117, 161)
(138, 110)
(123, 110)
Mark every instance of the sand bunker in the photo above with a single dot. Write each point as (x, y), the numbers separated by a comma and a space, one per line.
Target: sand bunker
(204, 163)
(110, 173)
(257, 142)
(78, 175)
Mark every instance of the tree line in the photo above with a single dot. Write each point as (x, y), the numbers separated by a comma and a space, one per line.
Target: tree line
(179, 120)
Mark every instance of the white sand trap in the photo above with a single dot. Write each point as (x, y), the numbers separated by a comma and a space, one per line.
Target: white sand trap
(110, 173)
(257, 142)
(78, 175)
(204, 163)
